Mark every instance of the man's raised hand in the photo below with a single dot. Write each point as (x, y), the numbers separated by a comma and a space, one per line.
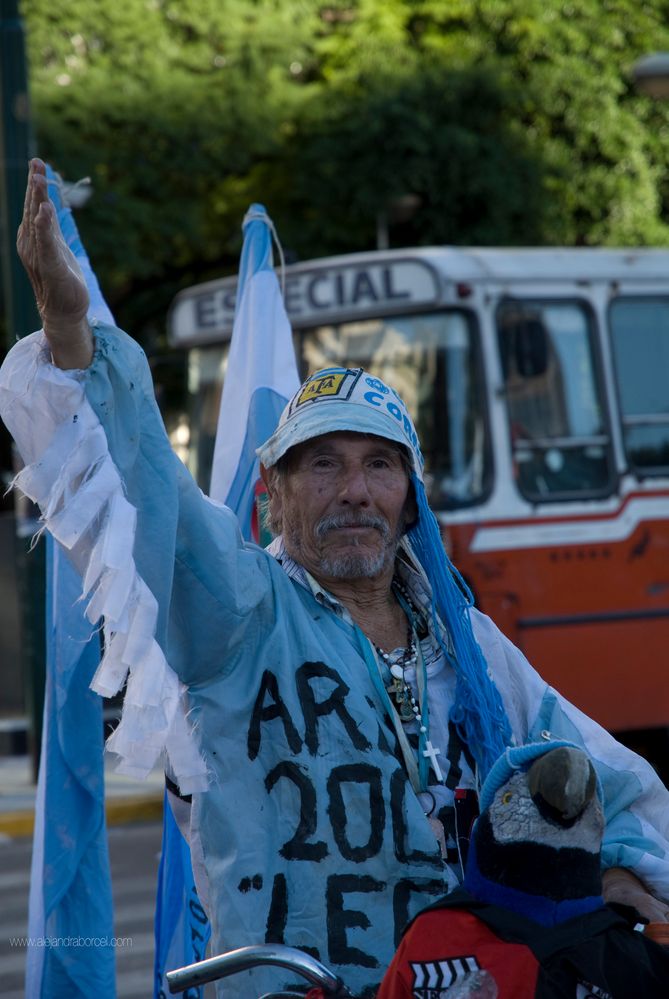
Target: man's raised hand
(59, 285)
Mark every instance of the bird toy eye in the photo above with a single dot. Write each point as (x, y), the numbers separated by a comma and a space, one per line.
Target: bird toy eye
(507, 797)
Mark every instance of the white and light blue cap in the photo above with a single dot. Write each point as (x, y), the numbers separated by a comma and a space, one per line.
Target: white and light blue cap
(341, 399)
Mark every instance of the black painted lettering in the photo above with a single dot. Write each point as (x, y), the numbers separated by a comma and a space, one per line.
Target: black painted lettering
(246, 884)
(265, 713)
(398, 786)
(197, 932)
(363, 289)
(384, 745)
(278, 911)
(388, 289)
(339, 288)
(196, 911)
(197, 943)
(402, 895)
(313, 709)
(356, 774)
(298, 847)
(339, 919)
(275, 930)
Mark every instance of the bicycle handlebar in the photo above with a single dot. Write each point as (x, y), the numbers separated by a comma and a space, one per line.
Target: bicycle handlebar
(244, 958)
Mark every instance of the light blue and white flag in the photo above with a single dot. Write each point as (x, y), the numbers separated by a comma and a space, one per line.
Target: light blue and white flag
(261, 374)
(182, 929)
(261, 377)
(70, 920)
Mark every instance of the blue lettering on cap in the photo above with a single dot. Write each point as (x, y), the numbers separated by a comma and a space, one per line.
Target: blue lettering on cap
(399, 398)
(408, 429)
(394, 410)
(376, 383)
(372, 397)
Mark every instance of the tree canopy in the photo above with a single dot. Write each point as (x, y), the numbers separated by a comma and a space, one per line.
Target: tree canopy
(506, 122)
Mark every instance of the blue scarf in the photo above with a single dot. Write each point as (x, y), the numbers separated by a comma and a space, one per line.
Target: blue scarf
(478, 712)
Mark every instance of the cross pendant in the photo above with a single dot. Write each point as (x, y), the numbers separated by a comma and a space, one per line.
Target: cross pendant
(432, 752)
(397, 689)
(398, 692)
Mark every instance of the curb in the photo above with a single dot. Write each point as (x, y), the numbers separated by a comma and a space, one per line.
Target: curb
(119, 811)
(137, 809)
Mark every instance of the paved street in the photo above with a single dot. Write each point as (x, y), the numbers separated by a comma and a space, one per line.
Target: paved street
(134, 851)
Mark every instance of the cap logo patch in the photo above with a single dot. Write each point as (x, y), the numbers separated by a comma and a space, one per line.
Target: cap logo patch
(334, 384)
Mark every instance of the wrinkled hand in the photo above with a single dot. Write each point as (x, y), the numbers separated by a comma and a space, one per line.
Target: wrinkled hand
(620, 885)
(59, 285)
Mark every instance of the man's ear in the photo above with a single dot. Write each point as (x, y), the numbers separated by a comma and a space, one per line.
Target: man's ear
(269, 477)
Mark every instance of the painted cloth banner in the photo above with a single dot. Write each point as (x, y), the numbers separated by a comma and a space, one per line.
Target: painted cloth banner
(261, 374)
(70, 917)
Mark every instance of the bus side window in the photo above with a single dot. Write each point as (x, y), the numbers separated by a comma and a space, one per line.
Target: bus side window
(554, 400)
(640, 342)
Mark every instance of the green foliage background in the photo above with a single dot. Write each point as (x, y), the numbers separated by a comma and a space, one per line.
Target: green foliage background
(512, 121)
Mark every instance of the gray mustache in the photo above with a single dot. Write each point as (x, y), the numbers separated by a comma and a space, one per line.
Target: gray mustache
(336, 520)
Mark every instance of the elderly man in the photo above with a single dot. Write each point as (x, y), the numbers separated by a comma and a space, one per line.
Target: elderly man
(338, 700)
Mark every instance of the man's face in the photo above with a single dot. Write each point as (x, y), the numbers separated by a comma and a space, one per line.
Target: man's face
(343, 504)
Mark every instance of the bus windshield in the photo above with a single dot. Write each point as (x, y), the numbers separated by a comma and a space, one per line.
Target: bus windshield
(433, 361)
(561, 447)
(640, 339)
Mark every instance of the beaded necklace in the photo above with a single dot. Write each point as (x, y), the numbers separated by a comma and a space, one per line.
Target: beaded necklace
(399, 690)
(404, 704)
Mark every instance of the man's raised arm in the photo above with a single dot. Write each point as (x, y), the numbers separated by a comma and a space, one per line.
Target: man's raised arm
(59, 285)
(154, 554)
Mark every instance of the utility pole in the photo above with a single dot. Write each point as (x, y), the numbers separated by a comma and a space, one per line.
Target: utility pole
(20, 318)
